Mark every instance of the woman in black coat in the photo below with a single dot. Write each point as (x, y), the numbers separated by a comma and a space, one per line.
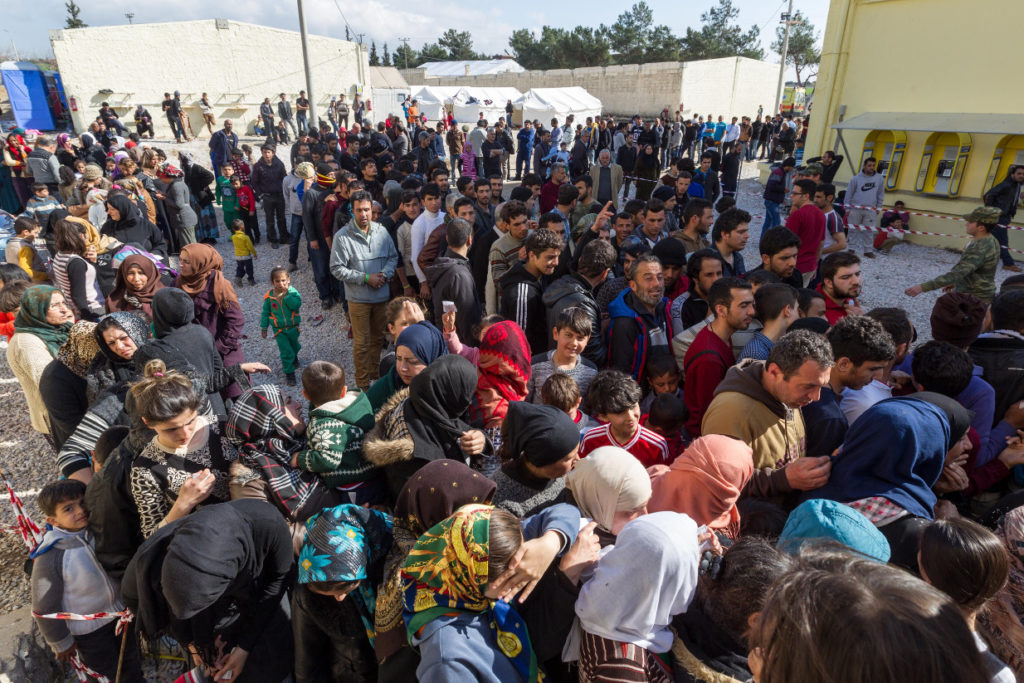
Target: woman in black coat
(127, 224)
(216, 581)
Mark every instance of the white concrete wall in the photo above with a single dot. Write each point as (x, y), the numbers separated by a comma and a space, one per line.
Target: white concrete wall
(731, 86)
(236, 64)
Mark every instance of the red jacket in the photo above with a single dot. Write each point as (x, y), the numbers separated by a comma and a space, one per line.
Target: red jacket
(704, 365)
(548, 196)
(246, 199)
(834, 312)
(7, 324)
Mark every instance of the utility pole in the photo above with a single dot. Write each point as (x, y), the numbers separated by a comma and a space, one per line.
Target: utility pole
(130, 15)
(313, 120)
(786, 19)
(360, 37)
(405, 41)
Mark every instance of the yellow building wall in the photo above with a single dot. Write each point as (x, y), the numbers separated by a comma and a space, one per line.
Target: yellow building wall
(928, 56)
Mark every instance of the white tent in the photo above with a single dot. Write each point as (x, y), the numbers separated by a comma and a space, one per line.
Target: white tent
(388, 91)
(548, 103)
(473, 67)
(431, 99)
(470, 102)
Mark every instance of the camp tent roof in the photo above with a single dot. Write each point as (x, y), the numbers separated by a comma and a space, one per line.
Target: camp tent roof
(431, 99)
(544, 103)
(473, 67)
(26, 89)
(387, 77)
(470, 102)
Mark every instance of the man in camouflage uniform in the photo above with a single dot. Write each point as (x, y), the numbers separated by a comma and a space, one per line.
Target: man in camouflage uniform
(975, 273)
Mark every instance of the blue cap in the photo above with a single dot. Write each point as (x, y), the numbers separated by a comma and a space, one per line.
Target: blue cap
(827, 519)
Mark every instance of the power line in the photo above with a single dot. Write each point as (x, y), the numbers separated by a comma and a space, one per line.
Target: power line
(770, 18)
(343, 17)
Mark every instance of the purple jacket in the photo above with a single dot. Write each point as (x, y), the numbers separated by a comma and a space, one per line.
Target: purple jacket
(225, 326)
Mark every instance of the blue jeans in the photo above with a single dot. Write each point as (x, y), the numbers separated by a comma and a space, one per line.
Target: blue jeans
(294, 237)
(326, 285)
(300, 119)
(772, 217)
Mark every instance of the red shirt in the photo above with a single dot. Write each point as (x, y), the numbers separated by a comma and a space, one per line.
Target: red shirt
(705, 363)
(246, 198)
(808, 222)
(646, 446)
(834, 312)
(548, 196)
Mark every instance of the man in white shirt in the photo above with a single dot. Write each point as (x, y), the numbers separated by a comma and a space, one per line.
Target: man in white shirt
(898, 325)
(732, 134)
(424, 224)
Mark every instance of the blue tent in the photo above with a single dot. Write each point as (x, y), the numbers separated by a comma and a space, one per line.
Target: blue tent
(29, 94)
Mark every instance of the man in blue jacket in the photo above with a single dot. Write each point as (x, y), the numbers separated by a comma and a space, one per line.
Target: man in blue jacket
(221, 144)
(525, 138)
(775, 193)
(641, 327)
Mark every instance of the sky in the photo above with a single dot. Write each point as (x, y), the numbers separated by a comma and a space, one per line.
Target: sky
(387, 20)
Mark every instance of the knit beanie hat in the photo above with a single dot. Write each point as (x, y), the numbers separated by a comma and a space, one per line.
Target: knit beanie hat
(671, 252)
(957, 318)
(664, 193)
(92, 172)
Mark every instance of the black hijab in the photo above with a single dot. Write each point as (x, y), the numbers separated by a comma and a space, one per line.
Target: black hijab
(172, 308)
(542, 434)
(438, 399)
(109, 369)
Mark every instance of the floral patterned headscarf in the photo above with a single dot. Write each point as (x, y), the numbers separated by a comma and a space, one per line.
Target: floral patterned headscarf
(348, 543)
(446, 572)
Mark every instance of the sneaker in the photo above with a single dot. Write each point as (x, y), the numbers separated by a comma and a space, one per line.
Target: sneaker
(252, 282)
(317, 320)
(289, 379)
(273, 244)
(327, 305)
(238, 282)
(1014, 268)
(292, 267)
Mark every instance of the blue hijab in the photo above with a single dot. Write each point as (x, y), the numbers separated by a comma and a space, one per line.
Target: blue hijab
(424, 340)
(896, 450)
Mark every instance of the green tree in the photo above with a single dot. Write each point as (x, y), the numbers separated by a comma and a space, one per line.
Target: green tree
(432, 52)
(386, 59)
(528, 50)
(374, 58)
(634, 39)
(406, 57)
(803, 52)
(583, 46)
(72, 20)
(720, 36)
(458, 44)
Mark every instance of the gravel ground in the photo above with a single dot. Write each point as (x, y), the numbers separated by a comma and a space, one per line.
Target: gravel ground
(26, 458)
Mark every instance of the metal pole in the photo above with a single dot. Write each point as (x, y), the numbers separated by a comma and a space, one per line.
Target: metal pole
(312, 119)
(785, 52)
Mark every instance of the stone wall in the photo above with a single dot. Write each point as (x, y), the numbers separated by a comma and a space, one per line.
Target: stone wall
(731, 86)
(237, 64)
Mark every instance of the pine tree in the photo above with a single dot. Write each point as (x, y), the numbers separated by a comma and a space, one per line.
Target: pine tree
(386, 59)
(72, 20)
(374, 59)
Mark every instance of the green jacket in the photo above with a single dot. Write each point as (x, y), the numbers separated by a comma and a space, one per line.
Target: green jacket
(225, 195)
(283, 314)
(975, 273)
(335, 436)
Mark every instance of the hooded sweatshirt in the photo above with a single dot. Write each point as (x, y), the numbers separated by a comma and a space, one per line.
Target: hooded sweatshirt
(522, 303)
(743, 409)
(67, 577)
(451, 279)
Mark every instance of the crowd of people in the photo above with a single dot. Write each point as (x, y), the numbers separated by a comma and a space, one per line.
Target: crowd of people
(584, 439)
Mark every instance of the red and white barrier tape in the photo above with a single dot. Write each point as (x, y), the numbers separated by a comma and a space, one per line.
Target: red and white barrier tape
(27, 529)
(83, 672)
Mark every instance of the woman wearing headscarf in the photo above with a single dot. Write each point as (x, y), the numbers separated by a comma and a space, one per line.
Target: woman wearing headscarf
(16, 153)
(198, 179)
(1001, 623)
(178, 201)
(888, 464)
(42, 326)
(539, 446)
(426, 422)
(705, 482)
(612, 488)
(219, 575)
(126, 224)
(63, 384)
(92, 151)
(266, 427)
(647, 170)
(417, 346)
(333, 607)
(626, 609)
(504, 373)
(66, 152)
(216, 304)
(452, 614)
(92, 236)
(439, 489)
(135, 283)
